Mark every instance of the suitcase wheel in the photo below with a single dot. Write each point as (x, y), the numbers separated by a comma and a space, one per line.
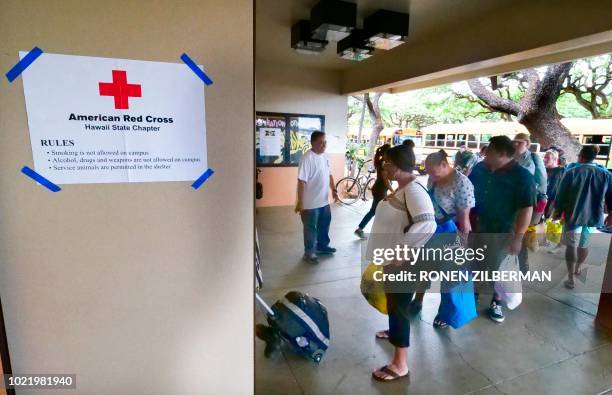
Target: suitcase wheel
(317, 356)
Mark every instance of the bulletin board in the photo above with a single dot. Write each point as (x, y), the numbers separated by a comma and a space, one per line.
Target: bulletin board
(281, 138)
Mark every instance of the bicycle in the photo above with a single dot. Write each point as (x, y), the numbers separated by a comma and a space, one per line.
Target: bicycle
(350, 189)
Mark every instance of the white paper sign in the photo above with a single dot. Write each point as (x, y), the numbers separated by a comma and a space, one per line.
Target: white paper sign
(101, 120)
(270, 142)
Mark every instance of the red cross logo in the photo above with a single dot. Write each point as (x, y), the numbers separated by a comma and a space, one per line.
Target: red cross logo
(120, 89)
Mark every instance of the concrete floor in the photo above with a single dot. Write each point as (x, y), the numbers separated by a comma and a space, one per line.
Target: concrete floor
(548, 345)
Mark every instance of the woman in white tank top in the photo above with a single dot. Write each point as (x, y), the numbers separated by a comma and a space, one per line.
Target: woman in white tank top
(404, 219)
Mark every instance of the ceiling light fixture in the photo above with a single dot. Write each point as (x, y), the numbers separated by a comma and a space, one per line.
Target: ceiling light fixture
(386, 29)
(354, 47)
(333, 20)
(302, 41)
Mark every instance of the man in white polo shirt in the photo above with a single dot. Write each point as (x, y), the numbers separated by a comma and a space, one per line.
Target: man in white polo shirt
(314, 182)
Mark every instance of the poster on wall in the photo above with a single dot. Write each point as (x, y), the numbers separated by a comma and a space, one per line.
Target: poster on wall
(290, 140)
(266, 149)
(102, 120)
(270, 142)
(301, 128)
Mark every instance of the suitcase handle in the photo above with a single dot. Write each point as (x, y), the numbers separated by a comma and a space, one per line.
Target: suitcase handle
(264, 305)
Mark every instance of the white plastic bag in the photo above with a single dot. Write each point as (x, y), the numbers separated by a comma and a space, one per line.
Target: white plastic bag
(510, 291)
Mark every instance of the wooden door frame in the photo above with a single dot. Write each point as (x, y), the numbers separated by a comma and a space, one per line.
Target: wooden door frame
(4, 351)
(604, 309)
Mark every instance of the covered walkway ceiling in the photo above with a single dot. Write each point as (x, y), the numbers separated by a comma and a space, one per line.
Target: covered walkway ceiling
(449, 40)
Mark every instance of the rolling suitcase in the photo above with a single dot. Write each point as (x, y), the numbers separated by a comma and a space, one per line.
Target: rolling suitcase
(299, 320)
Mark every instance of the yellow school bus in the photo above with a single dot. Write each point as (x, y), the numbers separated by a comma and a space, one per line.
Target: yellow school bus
(474, 135)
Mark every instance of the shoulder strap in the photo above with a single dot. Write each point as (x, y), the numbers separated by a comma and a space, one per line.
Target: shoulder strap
(432, 195)
(407, 211)
(422, 186)
(406, 202)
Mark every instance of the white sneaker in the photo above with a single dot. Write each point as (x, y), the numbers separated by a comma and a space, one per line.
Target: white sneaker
(311, 258)
(496, 312)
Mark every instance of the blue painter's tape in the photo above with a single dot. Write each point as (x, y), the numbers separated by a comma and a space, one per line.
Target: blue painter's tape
(40, 179)
(199, 72)
(197, 183)
(23, 64)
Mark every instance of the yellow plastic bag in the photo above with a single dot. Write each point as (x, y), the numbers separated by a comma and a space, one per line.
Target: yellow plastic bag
(372, 290)
(531, 238)
(553, 231)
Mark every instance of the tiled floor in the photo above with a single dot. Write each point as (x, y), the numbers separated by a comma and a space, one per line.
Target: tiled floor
(548, 345)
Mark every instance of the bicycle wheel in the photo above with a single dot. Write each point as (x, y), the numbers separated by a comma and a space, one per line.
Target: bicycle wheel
(367, 193)
(349, 190)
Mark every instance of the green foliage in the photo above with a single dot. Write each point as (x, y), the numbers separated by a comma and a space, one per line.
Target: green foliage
(590, 80)
(454, 103)
(417, 109)
(568, 107)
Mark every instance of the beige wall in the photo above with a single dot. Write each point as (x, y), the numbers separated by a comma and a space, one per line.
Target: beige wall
(280, 183)
(142, 288)
(291, 89)
(502, 35)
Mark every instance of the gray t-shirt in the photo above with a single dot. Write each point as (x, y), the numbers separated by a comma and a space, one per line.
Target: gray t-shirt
(454, 196)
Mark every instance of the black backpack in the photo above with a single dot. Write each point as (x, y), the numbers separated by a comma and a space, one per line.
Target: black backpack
(258, 186)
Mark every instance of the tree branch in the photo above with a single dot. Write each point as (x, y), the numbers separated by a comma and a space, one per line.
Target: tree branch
(492, 100)
(548, 91)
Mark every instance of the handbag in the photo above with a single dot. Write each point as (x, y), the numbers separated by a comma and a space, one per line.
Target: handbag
(511, 291)
(531, 238)
(553, 231)
(458, 305)
(445, 225)
(373, 291)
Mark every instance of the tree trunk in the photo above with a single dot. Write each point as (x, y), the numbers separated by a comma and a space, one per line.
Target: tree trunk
(363, 108)
(548, 130)
(376, 129)
(376, 118)
(537, 109)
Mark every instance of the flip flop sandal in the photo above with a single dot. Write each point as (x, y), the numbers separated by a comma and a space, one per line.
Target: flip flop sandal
(438, 323)
(382, 334)
(390, 375)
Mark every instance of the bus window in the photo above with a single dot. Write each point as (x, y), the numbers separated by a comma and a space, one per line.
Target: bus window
(461, 138)
(604, 150)
(594, 139)
(399, 139)
(472, 142)
(430, 140)
(484, 138)
(440, 140)
(607, 139)
(450, 140)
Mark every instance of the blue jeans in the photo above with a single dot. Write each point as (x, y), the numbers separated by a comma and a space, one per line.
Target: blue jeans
(316, 228)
